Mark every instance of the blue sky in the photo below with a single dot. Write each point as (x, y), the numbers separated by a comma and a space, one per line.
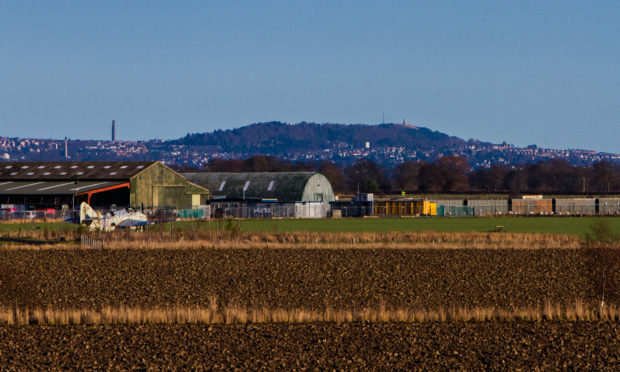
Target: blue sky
(527, 72)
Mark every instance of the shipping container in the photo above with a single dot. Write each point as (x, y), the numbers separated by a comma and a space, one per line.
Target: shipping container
(460, 211)
(531, 206)
(570, 206)
(488, 207)
(441, 211)
(404, 207)
(352, 208)
(449, 202)
(608, 206)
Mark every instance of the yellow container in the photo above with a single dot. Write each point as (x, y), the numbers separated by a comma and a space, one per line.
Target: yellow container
(429, 209)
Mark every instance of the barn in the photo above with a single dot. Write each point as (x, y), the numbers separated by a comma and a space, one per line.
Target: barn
(266, 194)
(64, 185)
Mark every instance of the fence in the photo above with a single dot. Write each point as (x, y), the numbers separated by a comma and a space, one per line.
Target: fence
(488, 207)
(405, 208)
(266, 210)
(269, 210)
(258, 210)
(13, 214)
(441, 210)
(609, 206)
(200, 213)
(91, 242)
(459, 211)
(352, 210)
(574, 206)
(449, 202)
(531, 206)
(310, 210)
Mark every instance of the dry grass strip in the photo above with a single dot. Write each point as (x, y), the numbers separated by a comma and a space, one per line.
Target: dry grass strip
(214, 314)
(403, 240)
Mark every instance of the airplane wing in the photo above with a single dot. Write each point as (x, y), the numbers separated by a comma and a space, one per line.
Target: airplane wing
(131, 223)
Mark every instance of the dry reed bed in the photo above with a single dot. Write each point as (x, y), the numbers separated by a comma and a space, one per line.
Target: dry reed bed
(398, 240)
(182, 245)
(403, 240)
(234, 315)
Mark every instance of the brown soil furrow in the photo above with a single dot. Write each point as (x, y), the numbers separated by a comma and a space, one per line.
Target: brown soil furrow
(350, 346)
(312, 279)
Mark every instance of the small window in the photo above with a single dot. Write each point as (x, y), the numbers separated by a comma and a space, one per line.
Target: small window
(14, 173)
(46, 173)
(123, 166)
(140, 166)
(271, 184)
(63, 173)
(57, 167)
(80, 173)
(107, 167)
(112, 173)
(222, 186)
(29, 173)
(41, 166)
(73, 166)
(8, 167)
(90, 167)
(24, 166)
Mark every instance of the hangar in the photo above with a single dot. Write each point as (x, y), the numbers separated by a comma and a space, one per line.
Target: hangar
(267, 194)
(147, 184)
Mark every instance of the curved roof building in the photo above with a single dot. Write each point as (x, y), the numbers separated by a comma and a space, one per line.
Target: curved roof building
(266, 186)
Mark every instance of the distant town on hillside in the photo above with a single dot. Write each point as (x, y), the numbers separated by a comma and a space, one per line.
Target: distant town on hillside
(385, 144)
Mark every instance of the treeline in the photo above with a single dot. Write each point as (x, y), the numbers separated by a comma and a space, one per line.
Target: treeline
(451, 174)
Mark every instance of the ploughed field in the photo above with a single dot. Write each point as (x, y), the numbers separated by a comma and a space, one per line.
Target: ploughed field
(287, 280)
(285, 346)
(312, 279)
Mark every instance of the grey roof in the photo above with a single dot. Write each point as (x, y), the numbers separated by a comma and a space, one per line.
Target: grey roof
(282, 186)
(52, 187)
(73, 170)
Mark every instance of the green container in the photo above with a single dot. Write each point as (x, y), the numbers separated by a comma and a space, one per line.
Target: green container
(441, 210)
(192, 213)
(462, 211)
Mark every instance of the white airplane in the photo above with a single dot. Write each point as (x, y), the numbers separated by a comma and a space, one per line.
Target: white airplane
(127, 219)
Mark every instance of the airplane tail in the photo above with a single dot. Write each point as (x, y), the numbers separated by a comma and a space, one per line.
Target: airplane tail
(87, 212)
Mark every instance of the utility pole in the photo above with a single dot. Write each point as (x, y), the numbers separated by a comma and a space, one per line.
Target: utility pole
(584, 185)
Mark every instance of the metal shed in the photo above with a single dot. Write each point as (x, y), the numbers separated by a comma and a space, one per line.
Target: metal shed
(267, 194)
(102, 184)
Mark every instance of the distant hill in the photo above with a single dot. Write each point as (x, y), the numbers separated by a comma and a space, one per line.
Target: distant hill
(388, 145)
(277, 137)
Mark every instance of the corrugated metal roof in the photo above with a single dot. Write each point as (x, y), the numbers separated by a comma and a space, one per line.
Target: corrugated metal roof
(51, 187)
(72, 170)
(283, 186)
